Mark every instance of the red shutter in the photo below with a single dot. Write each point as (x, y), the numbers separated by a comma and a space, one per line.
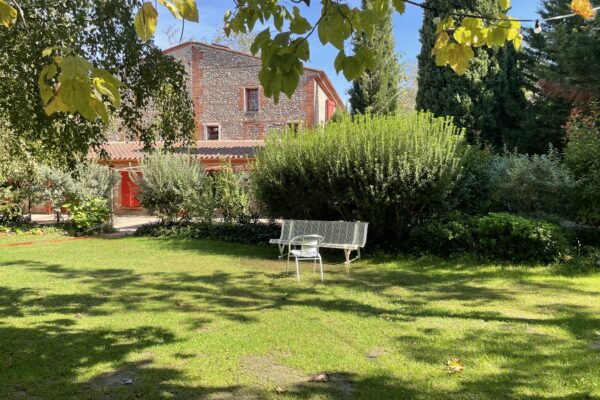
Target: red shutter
(330, 109)
(128, 191)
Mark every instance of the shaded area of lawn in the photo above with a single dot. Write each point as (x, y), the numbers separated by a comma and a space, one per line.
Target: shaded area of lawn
(150, 318)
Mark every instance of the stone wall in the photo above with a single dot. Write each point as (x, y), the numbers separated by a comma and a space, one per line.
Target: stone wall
(219, 79)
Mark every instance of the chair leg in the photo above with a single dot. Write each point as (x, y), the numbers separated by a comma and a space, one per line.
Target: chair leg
(297, 270)
(314, 265)
(288, 263)
(321, 263)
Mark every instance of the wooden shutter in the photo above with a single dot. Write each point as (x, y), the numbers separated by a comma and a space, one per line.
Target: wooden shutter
(330, 105)
(129, 191)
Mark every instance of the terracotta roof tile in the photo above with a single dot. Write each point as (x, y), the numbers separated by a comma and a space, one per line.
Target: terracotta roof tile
(204, 149)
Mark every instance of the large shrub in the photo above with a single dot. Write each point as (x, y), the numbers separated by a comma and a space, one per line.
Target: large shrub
(471, 191)
(60, 187)
(173, 186)
(389, 171)
(530, 183)
(582, 156)
(498, 236)
(230, 195)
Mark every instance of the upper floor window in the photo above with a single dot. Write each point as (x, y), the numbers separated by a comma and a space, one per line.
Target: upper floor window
(252, 99)
(213, 132)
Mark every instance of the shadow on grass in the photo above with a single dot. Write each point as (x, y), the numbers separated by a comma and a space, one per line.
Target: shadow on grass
(49, 356)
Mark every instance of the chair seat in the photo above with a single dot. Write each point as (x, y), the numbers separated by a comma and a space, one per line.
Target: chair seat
(313, 253)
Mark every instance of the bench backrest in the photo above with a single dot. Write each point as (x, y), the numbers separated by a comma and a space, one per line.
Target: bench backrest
(333, 232)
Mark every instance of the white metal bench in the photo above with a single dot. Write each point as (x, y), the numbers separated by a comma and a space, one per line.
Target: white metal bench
(347, 236)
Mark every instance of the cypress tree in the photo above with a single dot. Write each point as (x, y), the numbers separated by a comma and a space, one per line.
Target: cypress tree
(377, 91)
(488, 100)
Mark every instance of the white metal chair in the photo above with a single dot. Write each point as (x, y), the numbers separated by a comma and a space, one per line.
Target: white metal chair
(305, 248)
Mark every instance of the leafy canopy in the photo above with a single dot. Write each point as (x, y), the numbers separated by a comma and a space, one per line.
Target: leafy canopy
(284, 50)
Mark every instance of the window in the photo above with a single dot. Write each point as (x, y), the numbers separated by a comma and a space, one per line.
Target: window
(252, 101)
(213, 132)
(294, 126)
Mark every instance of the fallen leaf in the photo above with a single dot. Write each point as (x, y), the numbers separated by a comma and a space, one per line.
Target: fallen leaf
(127, 381)
(280, 390)
(454, 365)
(319, 378)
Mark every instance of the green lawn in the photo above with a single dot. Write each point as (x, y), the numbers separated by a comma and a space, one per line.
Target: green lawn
(201, 319)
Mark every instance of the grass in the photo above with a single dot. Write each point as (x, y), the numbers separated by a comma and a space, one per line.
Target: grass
(140, 318)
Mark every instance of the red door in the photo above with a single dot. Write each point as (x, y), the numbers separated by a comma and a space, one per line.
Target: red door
(129, 191)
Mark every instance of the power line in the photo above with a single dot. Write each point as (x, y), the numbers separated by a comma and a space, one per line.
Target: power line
(463, 15)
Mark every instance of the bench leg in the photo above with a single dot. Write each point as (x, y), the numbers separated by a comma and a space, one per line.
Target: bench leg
(281, 250)
(347, 254)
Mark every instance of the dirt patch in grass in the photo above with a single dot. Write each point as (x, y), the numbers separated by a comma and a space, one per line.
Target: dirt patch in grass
(113, 379)
(377, 352)
(268, 372)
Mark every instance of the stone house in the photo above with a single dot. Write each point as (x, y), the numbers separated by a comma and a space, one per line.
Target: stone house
(229, 102)
(232, 114)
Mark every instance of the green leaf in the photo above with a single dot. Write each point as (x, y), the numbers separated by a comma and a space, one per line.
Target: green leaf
(72, 67)
(99, 109)
(145, 21)
(339, 61)
(8, 14)
(299, 24)
(400, 6)
(352, 68)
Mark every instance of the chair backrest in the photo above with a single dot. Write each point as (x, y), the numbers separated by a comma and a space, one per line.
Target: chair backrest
(333, 232)
(309, 243)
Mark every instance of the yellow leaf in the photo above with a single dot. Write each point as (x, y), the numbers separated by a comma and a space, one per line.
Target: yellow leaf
(583, 8)
(8, 14)
(504, 4)
(454, 365)
(518, 41)
(145, 21)
(441, 41)
(459, 58)
(442, 56)
(182, 9)
(512, 34)
(462, 35)
(471, 22)
(498, 36)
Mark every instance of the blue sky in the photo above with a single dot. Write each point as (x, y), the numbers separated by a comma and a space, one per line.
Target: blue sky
(406, 31)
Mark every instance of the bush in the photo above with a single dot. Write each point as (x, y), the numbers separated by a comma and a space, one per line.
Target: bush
(92, 180)
(89, 215)
(230, 196)
(387, 170)
(240, 233)
(10, 210)
(471, 191)
(582, 156)
(174, 186)
(499, 236)
(29, 229)
(530, 183)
